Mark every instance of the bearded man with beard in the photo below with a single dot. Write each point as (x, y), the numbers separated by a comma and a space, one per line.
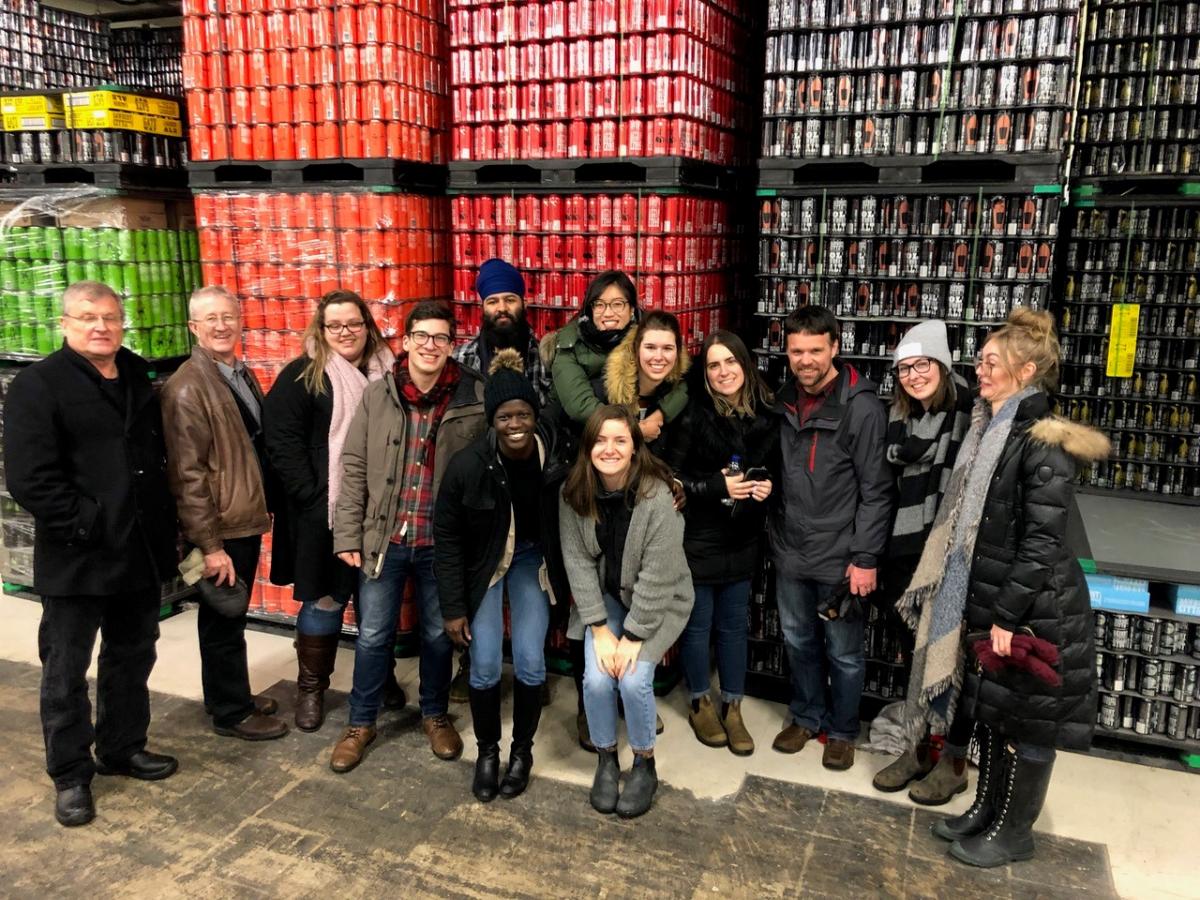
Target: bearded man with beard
(502, 293)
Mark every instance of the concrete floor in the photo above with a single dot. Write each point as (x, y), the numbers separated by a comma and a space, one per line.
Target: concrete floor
(272, 820)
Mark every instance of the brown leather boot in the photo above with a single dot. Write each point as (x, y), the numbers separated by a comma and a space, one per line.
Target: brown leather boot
(443, 737)
(792, 739)
(315, 656)
(740, 741)
(255, 727)
(349, 750)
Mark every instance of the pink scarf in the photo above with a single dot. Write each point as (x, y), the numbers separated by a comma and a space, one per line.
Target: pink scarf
(348, 383)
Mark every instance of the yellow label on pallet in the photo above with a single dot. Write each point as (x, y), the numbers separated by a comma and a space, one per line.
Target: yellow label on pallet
(33, 105)
(116, 100)
(127, 121)
(1122, 339)
(19, 122)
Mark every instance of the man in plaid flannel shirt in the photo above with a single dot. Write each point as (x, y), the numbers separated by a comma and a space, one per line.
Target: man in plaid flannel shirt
(404, 433)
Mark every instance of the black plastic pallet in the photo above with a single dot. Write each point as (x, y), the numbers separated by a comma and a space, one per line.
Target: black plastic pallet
(1155, 188)
(113, 175)
(596, 174)
(309, 173)
(1025, 169)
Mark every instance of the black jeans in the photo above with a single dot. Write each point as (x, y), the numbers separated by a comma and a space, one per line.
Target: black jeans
(223, 668)
(128, 628)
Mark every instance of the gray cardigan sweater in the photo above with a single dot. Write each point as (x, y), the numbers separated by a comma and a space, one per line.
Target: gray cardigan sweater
(656, 584)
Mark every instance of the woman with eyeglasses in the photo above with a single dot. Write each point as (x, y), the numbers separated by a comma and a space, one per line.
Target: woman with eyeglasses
(577, 354)
(929, 418)
(305, 418)
(622, 546)
(997, 555)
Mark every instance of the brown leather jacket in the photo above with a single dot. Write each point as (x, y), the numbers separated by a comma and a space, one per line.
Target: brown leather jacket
(211, 466)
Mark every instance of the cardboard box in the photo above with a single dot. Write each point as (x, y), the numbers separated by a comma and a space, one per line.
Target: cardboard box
(122, 101)
(1185, 599)
(33, 122)
(116, 212)
(33, 105)
(1119, 594)
(125, 121)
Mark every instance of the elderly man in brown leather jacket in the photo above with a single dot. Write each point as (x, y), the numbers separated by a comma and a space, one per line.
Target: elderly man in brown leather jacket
(212, 419)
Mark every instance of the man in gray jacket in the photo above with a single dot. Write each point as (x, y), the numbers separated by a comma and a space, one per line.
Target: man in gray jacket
(829, 528)
(408, 426)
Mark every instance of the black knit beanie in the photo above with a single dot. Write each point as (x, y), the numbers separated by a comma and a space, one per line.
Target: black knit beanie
(507, 381)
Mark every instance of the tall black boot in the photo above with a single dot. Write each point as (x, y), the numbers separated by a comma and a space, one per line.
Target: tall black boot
(527, 711)
(992, 761)
(581, 722)
(1010, 837)
(485, 717)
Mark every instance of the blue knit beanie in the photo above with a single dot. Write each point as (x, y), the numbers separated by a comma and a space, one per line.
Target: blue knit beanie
(498, 277)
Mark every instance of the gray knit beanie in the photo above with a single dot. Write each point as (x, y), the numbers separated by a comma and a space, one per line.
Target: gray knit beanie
(927, 339)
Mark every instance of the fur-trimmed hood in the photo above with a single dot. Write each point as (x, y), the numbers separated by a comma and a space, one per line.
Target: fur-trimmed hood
(621, 372)
(1083, 442)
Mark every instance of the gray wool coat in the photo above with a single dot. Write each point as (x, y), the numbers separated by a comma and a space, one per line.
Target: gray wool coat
(656, 584)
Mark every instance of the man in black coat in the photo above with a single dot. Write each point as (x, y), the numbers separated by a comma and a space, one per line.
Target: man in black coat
(83, 446)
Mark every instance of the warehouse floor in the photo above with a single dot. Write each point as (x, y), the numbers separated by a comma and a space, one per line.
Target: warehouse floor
(273, 820)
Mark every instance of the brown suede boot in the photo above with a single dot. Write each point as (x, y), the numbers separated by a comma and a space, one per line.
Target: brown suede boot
(315, 656)
(910, 765)
(947, 778)
(707, 724)
(740, 741)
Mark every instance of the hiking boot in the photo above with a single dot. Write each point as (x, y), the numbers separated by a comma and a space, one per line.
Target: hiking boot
(992, 760)
(792, 739)
(706, 723)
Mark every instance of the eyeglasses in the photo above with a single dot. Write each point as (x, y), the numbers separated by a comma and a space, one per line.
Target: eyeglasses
(920, 367)
(214, 320)
(982, 366)
(345, 327)
(617, 306)
(421, 338)
(91, 321)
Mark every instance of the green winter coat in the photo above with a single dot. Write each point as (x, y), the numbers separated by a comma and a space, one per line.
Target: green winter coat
(575, 366)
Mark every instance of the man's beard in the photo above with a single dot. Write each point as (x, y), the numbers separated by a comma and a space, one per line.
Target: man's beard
(507, 334)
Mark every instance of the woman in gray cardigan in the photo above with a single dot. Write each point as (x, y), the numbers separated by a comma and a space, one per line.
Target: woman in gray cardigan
(622, 544)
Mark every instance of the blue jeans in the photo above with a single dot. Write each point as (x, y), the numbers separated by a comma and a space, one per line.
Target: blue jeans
(378, 611)
(530, 608)
(600, 692)
(815, 648)
(319, 622)
(723, 607)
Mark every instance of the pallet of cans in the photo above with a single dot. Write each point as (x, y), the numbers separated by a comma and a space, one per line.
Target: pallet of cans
(280, 252)
(76, 49)
(543, 79)
(1147, 257)
(145, 250)
(882, 262)
(325, 80)
(21, 64)
(917, 78)
(677, 249)
(148, 59)
(1139, 101)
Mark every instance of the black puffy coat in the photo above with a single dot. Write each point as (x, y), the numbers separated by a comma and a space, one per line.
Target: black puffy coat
(471, 521)
(93, 476)
(1024, 576)
(721, 542)
(296, 425)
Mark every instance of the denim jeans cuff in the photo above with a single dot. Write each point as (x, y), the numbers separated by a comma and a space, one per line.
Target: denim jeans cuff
(727, 697)
(696, 695)
(642, 749)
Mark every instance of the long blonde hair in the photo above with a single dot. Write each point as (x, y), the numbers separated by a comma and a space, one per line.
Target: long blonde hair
(1029, 337)
(313, 374)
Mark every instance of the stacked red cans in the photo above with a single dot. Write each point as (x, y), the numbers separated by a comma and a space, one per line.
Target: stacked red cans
(280, 252)
(316, 79)
(675, 246)
(549, 79)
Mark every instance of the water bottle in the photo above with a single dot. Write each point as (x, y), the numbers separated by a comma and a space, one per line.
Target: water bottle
(734, 468)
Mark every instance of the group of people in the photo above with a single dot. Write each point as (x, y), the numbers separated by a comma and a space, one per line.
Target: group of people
(597, 477)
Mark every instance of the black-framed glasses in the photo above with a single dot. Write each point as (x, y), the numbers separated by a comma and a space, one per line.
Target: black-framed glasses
(345, 327)
(920, 367)
(421, 338)
(617, 306)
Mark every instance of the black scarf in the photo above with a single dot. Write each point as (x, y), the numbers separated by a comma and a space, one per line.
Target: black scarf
(604, 341)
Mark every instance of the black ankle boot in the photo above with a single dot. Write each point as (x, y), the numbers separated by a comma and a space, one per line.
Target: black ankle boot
(639, 789)
(606, 784)
(977, 818)
(1019, 803)
(527, 712)
(485, 718)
